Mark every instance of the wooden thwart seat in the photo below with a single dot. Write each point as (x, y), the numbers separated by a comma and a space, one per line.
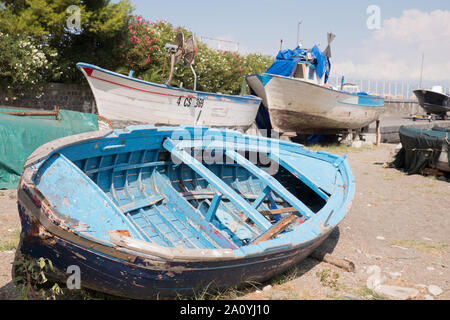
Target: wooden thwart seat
(140, 203)
(276, 229)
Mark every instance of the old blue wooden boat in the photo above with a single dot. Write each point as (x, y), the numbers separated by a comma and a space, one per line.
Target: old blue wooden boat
(147, 211)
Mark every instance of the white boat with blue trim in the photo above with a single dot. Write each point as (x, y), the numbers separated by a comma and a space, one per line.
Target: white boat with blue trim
(297, 98)
(120, 97)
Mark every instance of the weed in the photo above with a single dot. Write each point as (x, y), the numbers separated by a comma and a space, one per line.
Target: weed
(328, 278)
(30, 279)
(287, 276)
(366, 292)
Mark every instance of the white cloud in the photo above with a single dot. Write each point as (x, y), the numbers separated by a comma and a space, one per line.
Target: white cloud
(395, 51)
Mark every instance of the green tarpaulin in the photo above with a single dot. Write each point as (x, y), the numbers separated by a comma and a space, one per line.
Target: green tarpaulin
(21, 135)
(421, 148)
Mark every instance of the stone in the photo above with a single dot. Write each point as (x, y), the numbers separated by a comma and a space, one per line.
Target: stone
(399, 247)
(266, 288)
(428, 297)
(357, 144)
(381, 238)
(400, 293)
(374, 280)
(434, 290)
(395, 275)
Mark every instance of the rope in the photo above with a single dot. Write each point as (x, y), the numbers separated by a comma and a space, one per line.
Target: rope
(416, 149)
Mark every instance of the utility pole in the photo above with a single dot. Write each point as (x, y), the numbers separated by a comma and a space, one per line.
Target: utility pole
(421, 71)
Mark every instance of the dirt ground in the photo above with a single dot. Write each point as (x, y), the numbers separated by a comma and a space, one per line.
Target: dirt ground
(398, 223)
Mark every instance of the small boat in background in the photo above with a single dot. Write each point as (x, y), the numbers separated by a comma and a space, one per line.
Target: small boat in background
(296, 97)
(424, 148)
(143, 217)
(121, 97)
(434, 101)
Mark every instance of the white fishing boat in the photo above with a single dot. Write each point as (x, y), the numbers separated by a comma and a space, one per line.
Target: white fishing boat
(297, 98)
(121, 97)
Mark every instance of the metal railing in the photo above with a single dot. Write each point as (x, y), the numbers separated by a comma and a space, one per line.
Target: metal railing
(390, 89)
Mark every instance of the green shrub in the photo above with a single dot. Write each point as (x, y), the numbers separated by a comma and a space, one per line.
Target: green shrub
(142, 51)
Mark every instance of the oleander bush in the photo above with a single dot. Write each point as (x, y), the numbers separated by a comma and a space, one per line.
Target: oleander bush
(25, 64)
(142, 50)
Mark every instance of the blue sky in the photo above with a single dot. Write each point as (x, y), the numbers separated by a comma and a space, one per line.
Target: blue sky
(258, 26)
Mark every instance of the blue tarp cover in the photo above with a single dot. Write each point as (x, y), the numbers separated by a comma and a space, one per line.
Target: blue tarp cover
(286, 62)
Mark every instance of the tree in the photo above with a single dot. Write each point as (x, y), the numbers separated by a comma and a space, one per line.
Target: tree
(47, 23)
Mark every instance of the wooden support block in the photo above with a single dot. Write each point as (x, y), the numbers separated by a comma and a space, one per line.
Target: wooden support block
(378, 133)
(432, 172)
(328, 258)
(276, 229)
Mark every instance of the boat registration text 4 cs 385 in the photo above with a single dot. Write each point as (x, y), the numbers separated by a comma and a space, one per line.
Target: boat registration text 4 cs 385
(191, 102)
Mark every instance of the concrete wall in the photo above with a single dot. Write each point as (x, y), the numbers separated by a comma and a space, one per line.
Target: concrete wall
(402, 107)
(78, 98)
(64, 96)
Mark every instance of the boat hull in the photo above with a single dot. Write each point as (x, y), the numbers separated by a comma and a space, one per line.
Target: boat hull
(123, 98)
(146, 278)
(133, 221)
(433, 102)
(298, 106)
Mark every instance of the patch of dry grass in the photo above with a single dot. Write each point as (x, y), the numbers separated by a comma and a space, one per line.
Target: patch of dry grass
(424, 247)
(10, 243)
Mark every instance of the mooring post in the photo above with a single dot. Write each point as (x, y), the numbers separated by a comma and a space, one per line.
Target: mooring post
(378, 133)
